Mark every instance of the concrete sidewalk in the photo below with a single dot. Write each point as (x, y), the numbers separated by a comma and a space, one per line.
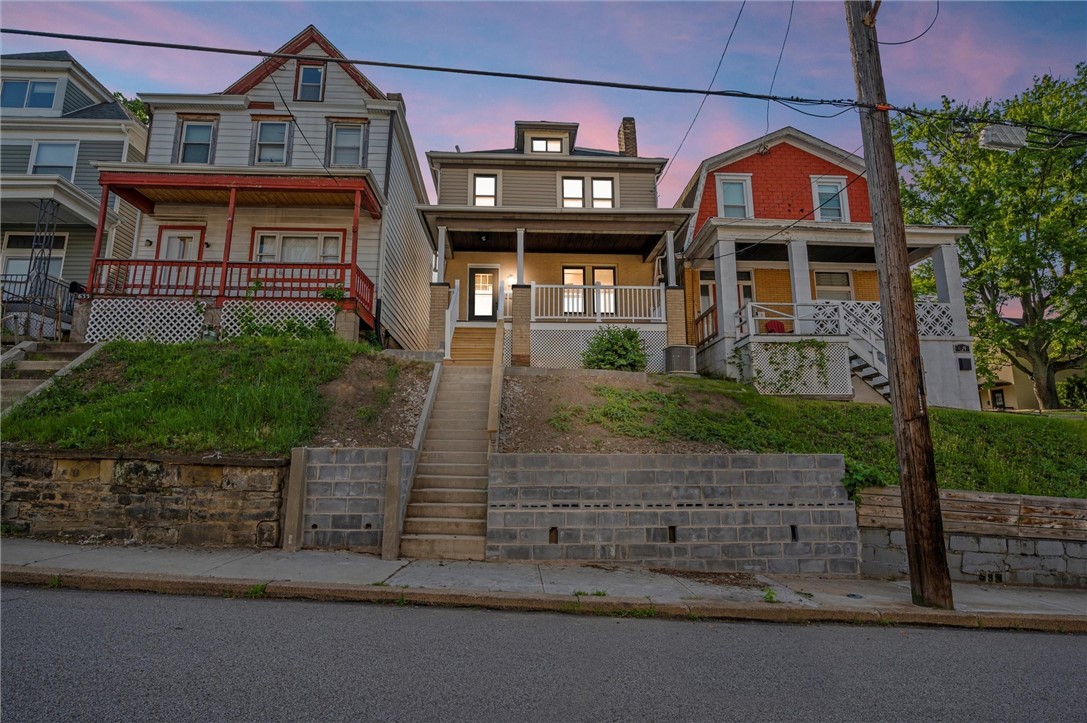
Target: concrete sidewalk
(594, 589)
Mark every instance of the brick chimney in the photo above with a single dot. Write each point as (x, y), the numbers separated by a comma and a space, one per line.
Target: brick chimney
(628, 138)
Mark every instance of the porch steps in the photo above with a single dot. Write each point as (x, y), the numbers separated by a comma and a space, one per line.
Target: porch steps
(472, 346)
(447, 514)
(22, 377)
(870, 376)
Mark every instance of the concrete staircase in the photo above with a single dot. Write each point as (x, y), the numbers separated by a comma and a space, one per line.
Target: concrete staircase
(447, 513)
(870, 375)
(472, 346)
(24, 376)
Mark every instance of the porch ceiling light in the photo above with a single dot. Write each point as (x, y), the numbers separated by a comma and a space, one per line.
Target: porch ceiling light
(147, 242)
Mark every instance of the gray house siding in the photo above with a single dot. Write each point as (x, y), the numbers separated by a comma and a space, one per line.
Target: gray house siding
(14, 159)
(74, 99)
(637, 190)
(77, 249)
(539, 187)
(125, 232)
(530, 188)
(453, 190)
(86, 175)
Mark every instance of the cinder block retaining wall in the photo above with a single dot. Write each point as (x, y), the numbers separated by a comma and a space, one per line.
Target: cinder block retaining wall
(153, 499)
(752, 513)
(345, 497)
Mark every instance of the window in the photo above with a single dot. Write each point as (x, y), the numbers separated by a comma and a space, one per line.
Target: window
(54, 159)
(28, 93)
(311, 82)
(830, 200)
(346, 144)
(734, 196)
(745, 288)
(298, 247)
(605, 298)
(196, 141)
(547, 145)
(833, 285)
(573, 193)
(271, 142)
(18, 249)
(707, 290)
(603, 193)
(486, 190)
(573, 299)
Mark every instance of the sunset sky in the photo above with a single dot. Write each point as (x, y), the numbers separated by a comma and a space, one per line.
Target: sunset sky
(975, 50)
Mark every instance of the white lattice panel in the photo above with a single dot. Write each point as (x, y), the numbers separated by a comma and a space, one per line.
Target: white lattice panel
(164, 320)
(783, 368)
(825, 320)
(272, 312)
(862, 314)
(934, 320)
(507, 351)
(563, 347)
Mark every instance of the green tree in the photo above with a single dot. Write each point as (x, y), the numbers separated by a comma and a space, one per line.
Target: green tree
(1027, 248)
(135, 106)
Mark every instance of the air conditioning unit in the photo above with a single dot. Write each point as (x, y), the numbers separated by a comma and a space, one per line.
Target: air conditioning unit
(680, 360)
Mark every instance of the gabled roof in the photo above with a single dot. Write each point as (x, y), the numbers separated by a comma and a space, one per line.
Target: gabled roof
(311, 35)
(102, 111)
(52, 56)
(793, 136)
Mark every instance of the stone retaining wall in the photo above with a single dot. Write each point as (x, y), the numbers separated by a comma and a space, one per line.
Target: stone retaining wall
(152, 499)
(749, 513)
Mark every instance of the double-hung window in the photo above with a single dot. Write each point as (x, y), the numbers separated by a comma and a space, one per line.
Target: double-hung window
(830, 199)
(197, 138)
(547, 145)
(298, 247)
(734, 196)
(346, 144)
(485, 190)
(28, 93)
(271, 142)
(18, 249)
(833, 285)
(54, 159)
(311, 82)
(603, 192)
(573, 192)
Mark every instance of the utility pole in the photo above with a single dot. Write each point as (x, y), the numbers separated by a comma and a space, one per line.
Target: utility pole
(930, 582)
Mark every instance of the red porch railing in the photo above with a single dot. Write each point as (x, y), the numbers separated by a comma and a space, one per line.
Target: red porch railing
(244, 279)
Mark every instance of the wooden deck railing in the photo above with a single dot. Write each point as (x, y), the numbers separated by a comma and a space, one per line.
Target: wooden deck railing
(705, 325)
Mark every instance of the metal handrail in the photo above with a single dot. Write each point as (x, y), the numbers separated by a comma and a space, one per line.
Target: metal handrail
(494, 403)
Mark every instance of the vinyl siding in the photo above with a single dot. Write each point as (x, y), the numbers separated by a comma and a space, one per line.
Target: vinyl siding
(530, 188)
(407, 261)
(454, 187)
(637, 190)
(14, 159)
(78, 252)
(86, 175)
(540, 187)
(124, 233)
(160, 145)
(135, 154)
(74, 98)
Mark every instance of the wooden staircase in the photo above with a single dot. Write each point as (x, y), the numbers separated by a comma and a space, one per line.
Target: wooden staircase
(472, 346)
(22, 377)
(447, 514)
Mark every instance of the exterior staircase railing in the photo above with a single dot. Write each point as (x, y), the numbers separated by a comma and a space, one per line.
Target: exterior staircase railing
(451, 314)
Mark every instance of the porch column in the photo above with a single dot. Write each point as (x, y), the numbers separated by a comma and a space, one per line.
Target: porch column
(670, 249)
(521, 330)
(439, 302)
(441, 254)
(520, 256)
(103, 205)
(226, 242)
(800, 283)
(727, 301)
(945, 267)
(355, 230)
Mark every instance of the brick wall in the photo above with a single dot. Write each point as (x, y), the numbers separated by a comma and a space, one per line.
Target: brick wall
(153, 499)
(752, 513)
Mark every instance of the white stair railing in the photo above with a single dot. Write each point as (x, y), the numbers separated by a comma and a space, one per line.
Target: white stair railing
(451, 314)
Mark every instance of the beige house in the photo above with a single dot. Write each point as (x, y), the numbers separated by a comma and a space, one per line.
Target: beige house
(1014, 390)
(552, 241)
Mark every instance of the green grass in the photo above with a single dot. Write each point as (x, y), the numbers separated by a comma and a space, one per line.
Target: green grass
(254, 395)
(1024, 454)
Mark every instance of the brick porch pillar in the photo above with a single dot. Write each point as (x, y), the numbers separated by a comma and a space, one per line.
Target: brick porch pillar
(521, 341)
(439, 302)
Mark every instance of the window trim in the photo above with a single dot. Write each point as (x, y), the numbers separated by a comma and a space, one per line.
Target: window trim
(364, 141)
(562, 190)
(9, 254)
(26, 95)
(561, 140)
(199, 249)
(587, 189)
(49, 142)
(843, 197)
(288, 137)
(179, 138)
(742, 178)
(280, 231)
(815, 286)
(298, 80)
(472, 175)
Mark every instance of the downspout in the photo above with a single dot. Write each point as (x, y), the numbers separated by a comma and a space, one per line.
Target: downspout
(379, 291)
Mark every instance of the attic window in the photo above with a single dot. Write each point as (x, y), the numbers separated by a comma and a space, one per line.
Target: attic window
(311, 82)
(28, 93)
(547, 145)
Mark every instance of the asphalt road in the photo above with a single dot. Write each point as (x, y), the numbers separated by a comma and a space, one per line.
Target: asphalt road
(86, 656)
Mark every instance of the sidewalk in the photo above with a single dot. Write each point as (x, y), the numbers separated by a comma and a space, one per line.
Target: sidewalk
(567, 588)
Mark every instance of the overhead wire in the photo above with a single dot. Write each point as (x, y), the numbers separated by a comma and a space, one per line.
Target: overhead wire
(918, 37)
(294, 121)
(781, 53)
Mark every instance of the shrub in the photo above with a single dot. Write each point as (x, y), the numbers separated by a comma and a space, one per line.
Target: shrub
(614, 347)
(1072, 392)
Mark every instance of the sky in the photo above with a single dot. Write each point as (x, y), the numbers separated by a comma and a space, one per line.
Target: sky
(975, 50)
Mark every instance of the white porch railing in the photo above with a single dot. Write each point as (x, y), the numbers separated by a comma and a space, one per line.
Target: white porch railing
(598, 303)
(451, 313)
(836, 318)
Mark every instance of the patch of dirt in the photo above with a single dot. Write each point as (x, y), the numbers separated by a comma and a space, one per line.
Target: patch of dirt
(365, 410)
(529, 403)
(733, 579)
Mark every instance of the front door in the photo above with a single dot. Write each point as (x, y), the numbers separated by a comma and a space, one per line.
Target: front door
(482, 294)
(178, 278)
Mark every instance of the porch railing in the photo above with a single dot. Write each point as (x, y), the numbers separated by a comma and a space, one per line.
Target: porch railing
(47, 291)
(452, 313)
(705, 325)
(598, 303)
(836, 318)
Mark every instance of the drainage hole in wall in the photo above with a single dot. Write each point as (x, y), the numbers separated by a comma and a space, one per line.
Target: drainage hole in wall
(313, 527)
(553, 536)
(366, 526)
(671, 533)
(792, 531)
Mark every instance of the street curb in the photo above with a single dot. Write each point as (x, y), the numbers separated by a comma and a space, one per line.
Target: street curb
(528, 602)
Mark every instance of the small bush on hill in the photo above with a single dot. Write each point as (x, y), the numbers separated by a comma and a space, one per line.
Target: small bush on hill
(617, 348)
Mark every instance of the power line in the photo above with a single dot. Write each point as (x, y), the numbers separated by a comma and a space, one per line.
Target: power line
(668, 166)
(788, 27)
(297, 126)
(918, 37)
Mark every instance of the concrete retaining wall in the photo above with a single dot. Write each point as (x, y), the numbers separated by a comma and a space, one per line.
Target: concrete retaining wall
(152, 499)
(985, 558)
(751, 513)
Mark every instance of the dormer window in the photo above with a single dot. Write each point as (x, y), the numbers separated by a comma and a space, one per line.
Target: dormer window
(547, 145)
(311, 82)
(28, 93)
